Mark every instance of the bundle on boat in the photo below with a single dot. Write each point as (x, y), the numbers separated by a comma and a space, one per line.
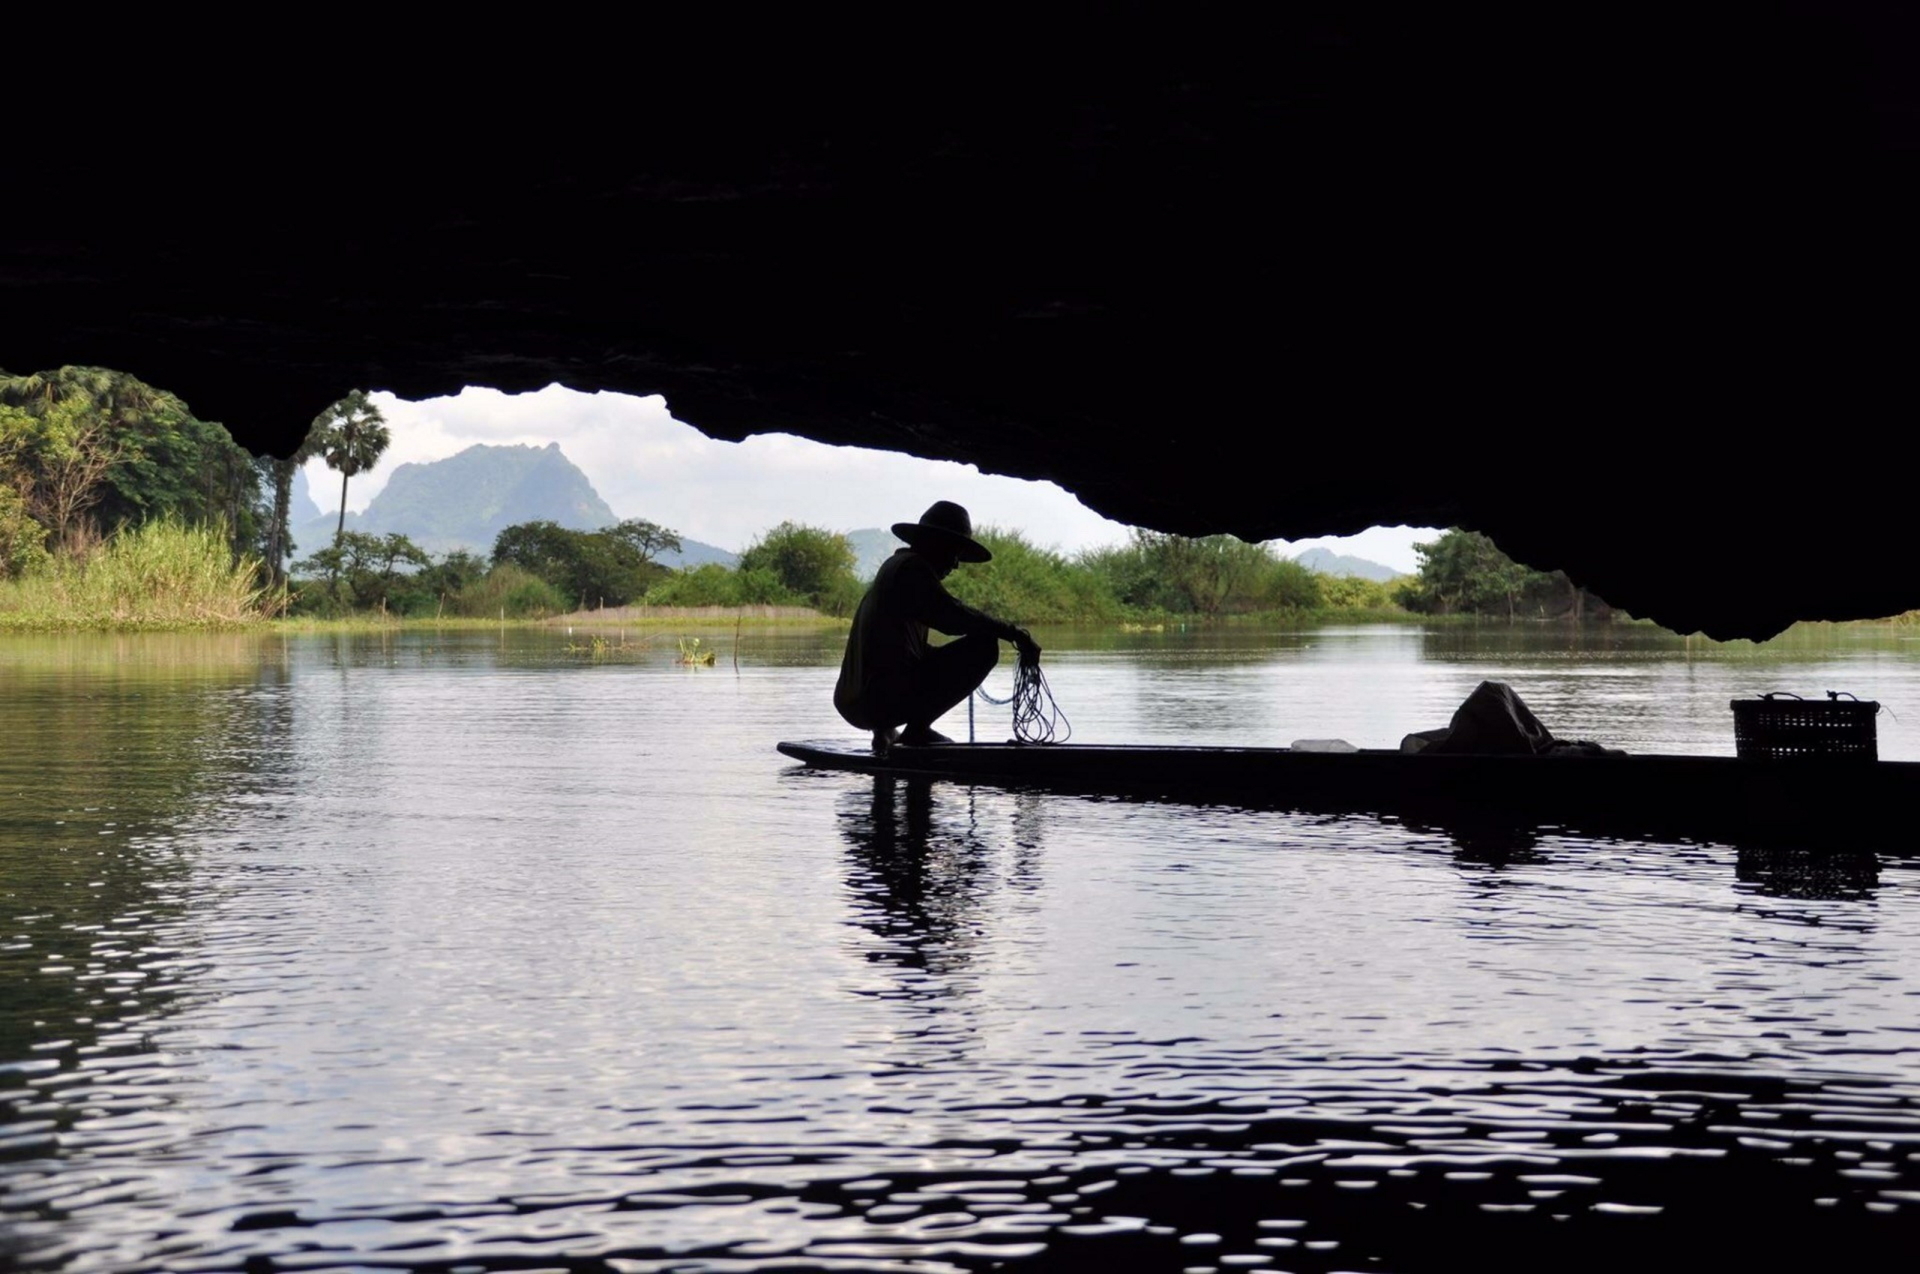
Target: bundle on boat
(1493, 721)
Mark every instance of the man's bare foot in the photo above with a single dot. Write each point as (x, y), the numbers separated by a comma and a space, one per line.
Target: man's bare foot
(883, 739)
(921, 735)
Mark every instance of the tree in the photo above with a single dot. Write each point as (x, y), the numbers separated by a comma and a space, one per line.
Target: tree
(108, 446)
(1465, 572)
(350, 436)
(648, 539)
(65, 451)
(813, 564)
(452, 575)
(279, 534)
(587, 567)
(370, 564)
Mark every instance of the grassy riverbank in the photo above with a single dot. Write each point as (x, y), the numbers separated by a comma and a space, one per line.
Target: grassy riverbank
(643, 617)
(162, 576)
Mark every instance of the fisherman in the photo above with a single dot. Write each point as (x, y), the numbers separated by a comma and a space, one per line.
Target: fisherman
(891, 676)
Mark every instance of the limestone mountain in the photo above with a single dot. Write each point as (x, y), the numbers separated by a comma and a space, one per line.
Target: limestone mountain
(872, 545)
(465, 500)
(301, 509)
(1327, 562)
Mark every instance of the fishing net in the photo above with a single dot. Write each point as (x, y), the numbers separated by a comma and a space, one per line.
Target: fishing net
(1036, 717)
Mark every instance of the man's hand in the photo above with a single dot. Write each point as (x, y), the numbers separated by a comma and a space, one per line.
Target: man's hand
(1023, 642)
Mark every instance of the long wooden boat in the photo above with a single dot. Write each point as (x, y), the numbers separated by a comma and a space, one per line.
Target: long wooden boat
(1813, 803)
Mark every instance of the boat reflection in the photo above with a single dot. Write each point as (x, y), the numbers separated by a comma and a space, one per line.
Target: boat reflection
(1810, 876)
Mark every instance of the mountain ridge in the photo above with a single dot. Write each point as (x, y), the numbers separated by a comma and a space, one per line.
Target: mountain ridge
(1325, 561)
(464, 501)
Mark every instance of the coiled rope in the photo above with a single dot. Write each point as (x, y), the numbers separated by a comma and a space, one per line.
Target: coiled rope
(1036, 717)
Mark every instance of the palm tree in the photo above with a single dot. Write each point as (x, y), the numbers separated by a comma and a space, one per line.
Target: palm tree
(350, 436)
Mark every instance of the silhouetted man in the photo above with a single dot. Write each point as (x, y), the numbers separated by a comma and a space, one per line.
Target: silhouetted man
(891, 676)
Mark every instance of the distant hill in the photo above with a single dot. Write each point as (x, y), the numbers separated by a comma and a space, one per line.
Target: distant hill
(872, 545)
(1327, 562)
(697, 553)
(301, 509)
(467, 499)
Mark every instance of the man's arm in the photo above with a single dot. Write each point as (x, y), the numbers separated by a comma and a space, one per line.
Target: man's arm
(943, 612)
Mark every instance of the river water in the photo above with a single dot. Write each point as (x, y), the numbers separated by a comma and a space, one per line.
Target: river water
(489, 950)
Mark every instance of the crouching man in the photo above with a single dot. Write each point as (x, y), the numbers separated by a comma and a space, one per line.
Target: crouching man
(891, 677)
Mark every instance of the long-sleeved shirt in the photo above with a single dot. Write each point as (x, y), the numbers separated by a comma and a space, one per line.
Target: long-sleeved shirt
(889, 636)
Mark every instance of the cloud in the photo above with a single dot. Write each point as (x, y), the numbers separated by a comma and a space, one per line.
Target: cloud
(647, 464)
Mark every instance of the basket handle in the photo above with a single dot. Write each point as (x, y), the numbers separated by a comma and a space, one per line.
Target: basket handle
(1783, 694)
(1842, 694)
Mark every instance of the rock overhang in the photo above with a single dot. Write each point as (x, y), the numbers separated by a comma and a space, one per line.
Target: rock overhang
(1348, 274)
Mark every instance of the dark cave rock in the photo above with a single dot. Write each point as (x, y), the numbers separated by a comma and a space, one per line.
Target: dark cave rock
(1635, 301)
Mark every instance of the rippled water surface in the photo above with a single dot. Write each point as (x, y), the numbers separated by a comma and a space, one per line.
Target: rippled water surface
(480, 950)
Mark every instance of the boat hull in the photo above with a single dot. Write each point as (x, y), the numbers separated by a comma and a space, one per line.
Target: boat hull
(1811, 803)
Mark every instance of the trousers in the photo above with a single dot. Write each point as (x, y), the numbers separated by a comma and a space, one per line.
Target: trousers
(940, 681)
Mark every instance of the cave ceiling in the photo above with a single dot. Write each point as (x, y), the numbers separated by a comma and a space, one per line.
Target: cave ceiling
(1637, 302)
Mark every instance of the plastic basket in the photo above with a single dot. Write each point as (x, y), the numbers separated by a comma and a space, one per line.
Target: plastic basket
(1781, 726)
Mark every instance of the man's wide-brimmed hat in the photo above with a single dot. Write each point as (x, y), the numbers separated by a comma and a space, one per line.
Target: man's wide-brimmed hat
(945, 525)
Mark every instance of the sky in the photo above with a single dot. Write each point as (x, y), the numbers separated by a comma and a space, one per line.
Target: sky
(646, 464)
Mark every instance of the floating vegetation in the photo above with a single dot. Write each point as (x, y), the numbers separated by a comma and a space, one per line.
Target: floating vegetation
(602, 646)
(597, 646)
(692, 653)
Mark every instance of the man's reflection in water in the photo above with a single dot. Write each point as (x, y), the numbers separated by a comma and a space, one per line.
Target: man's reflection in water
(1029, 835)
(1494, 844)
(918, 871)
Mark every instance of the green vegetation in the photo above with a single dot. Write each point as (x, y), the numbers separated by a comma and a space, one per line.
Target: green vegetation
(350, 436)
(1031, 585)
(808, 565)
(507, 592)
(1217, 575)
(542, 569)
(1465, 573)
(162, 574)
(608, 567)
(87, 451)
(279, 540)
(1353, 593)
(120, 508)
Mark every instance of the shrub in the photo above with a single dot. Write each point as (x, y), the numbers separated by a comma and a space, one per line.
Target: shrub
(1354, 592)
(592, 568)
(813, 566)
(1283, 584)
(23, 541)
(508, 590)
(709, 584)
(1025, 584)
(1214, 575)
(163, 574)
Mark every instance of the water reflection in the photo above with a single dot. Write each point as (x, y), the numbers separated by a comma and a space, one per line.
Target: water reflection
(1810, 876)
(463, 952)
(921, 883)
(140, 751)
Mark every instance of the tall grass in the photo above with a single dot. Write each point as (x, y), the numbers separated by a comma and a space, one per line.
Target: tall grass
(160, 575)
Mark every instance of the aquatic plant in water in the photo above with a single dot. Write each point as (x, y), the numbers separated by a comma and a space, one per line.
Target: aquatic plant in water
(691, 653)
